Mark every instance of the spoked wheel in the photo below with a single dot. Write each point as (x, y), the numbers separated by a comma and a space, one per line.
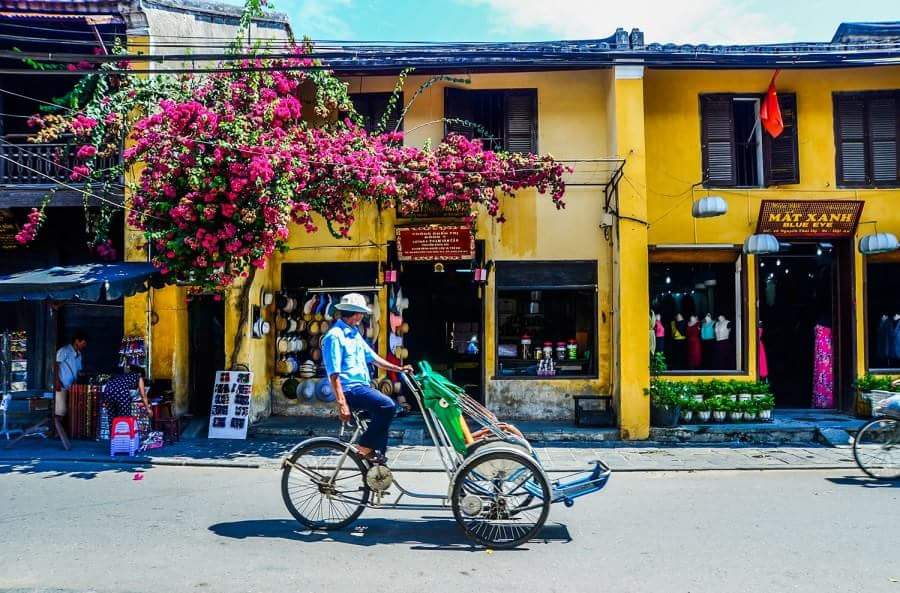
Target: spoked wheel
(501, 500)
(877, 448)
(317, 497)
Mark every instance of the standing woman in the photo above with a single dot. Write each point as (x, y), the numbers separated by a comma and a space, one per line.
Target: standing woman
(117, 393)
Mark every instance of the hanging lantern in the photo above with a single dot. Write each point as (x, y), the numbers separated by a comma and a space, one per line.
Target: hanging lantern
(878, 243)
(479, 275)
(761, 244)
(390, 276)
(709, 207)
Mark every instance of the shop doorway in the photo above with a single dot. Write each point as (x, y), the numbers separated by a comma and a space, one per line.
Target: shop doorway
(805, 316)
(445, 321)
(206, 355)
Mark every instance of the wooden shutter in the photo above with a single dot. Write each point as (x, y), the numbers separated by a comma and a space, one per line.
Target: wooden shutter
(717, 140)
(458, 106)
(520, 122)
(882, 128)
(850, 137)
(780, 154)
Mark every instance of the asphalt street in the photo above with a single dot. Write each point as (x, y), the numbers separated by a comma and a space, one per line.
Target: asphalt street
(89, 527)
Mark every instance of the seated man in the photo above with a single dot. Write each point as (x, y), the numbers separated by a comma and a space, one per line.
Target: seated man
(346, 355)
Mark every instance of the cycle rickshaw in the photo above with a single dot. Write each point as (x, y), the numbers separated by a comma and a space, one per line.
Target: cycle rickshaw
(497, 489)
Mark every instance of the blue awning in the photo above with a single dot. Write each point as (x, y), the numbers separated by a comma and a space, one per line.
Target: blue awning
(89, 282)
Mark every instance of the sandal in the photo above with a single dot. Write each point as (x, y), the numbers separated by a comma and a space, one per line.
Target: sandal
(375, 458)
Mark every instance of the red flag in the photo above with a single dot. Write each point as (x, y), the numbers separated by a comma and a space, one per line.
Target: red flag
(770, 112)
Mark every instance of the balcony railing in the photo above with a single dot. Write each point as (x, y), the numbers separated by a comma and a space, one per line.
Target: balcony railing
(40, 164)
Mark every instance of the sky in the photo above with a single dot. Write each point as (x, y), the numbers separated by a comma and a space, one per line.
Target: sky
(677, 21)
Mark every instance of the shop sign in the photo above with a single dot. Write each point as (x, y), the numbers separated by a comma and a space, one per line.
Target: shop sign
(815, 219)
(8, 231)
(230, 412)
(435, 242)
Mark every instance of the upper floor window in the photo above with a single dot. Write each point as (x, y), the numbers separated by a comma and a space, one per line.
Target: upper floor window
(866, 130)
(737, 151)
(372, 106)
(504, 119)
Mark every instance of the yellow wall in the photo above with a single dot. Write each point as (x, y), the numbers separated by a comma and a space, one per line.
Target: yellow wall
(674, 162)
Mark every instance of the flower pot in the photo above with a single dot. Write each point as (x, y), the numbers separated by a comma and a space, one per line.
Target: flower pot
(735, 416)
(757, 396)
(743, 397)
(732, 397)
(765, 415)
(664, 416)
(703, 415)
(718, 415)
(687, 415)
(698, 397)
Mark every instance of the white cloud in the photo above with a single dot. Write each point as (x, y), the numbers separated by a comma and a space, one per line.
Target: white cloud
(319, 18)
(693, 21)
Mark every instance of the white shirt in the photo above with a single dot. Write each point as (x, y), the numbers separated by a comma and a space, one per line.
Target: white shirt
(69, 361)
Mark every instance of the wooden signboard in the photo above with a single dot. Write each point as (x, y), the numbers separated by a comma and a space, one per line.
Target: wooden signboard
(435, 243)
(230, 412)
(814, 219)
(8, 230)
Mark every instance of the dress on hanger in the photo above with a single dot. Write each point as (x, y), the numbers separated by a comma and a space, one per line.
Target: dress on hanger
(823, 369)
(660, 332)
(694, 347)
(884, 341)
(763, 360)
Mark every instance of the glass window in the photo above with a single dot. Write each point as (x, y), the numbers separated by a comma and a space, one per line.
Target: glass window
(547, 332)
(696, 315)
(883, 312)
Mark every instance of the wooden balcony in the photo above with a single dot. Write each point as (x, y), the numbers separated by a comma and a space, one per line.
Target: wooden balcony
(31, 164)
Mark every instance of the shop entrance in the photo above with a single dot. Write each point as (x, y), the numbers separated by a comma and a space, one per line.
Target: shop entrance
(206, 355)
(804, 314)
(445, 321)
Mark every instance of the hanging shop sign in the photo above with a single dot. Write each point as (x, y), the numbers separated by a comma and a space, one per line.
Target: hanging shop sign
(230, 413)
(815, 219)
(435, 242)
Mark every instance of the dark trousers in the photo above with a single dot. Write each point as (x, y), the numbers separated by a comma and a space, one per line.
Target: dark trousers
(381, 410)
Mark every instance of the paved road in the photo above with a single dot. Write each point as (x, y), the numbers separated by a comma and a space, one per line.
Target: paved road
(84, 527)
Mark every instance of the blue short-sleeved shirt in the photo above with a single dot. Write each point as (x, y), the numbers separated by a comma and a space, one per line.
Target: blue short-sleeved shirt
(346, 352)
(69, 361)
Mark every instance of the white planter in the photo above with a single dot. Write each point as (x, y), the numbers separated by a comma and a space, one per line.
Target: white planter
(718, 416)
(732, 397)
(765, 414)
(703, 415)
(744, 397)
(687, 415)
(735, 416)
(698, 397)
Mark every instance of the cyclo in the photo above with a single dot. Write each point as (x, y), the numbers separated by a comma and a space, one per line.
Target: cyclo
(497, 489)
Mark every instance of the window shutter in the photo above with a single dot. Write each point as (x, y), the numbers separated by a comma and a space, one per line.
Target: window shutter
(781, 155)
(850, 132)
(520, 125)
(717, 140)
(379, 104)
(883, 139)
(458, 106)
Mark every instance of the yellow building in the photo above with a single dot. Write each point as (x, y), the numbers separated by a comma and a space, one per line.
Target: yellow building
(655, 134)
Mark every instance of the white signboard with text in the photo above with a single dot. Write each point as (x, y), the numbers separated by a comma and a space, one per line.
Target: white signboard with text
(229, 415)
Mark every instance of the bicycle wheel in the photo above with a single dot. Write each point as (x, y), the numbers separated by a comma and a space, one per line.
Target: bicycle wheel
(501, 500)
(310, 493)
(876, 449)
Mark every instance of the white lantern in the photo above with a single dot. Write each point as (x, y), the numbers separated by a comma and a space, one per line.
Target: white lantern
(709, 207)
(761, 244)
(878, 243)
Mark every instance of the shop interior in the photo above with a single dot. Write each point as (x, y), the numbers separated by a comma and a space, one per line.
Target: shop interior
(883, 315)
(206, 351)
(803, 308)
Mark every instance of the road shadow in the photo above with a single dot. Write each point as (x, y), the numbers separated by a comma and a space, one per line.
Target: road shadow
(864, 482)
(427, 533)
(66, 469)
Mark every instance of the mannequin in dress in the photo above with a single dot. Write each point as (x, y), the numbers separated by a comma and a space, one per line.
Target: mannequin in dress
(652, 333)
(884, 341)
(679, 345)
(694, 348)
(895, 341)
(723, 342)
(660, 333)
(708, 337)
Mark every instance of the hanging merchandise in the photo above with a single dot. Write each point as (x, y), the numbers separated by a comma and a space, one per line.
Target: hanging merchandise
(560, 351)
(525, 343)
(308, 389)
(572, 350)
(324, 391)
(548, 350)
(290, 388)
(132, 352)
(390, 276)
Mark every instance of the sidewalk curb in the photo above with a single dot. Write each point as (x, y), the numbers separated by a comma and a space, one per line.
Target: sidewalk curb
(435, 469)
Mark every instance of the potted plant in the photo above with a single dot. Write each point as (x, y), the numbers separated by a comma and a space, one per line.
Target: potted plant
(719, 408)
(749, 409)
(700, 391)
(704, 410)
(687, 406)
(765, 406)
(734, 412)
(665, 399)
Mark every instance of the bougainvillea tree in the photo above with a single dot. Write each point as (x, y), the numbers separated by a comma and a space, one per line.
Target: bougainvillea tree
(232, 161)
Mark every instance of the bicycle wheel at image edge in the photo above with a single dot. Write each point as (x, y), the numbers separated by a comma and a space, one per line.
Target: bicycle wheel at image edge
(876, 449)
(501, 499)
(312, 497)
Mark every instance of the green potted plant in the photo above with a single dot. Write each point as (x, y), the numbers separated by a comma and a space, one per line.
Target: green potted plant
(765, 406)
(665, 399)
(749, 408)
(743, 390)
(734, 411)
(704, 410)
(687, 406)
(719, 408)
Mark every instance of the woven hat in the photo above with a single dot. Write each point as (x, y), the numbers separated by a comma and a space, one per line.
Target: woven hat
(353, 302)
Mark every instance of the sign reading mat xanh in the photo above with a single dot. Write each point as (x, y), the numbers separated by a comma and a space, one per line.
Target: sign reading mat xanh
(815, 219)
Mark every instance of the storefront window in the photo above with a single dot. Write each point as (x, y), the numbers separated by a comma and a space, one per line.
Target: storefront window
(695, 315)
(547, 320)
(883, 309)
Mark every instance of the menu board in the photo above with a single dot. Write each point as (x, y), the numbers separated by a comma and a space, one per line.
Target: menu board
(229, 415)
(435, 242)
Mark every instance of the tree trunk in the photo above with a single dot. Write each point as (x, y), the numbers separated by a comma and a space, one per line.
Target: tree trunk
(241, 329)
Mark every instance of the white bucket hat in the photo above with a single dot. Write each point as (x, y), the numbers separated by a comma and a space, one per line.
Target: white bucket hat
(353, 303)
